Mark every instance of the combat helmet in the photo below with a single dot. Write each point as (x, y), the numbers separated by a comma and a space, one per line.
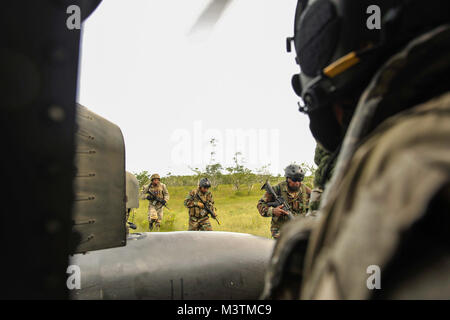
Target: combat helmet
(294, 172)
(155, 176)
(204, 182)
(339, 46)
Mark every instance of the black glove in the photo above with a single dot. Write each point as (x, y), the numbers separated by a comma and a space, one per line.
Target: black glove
(163, 202)
(149, 198)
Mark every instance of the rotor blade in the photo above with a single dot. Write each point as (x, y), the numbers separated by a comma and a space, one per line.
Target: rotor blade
(210, 15)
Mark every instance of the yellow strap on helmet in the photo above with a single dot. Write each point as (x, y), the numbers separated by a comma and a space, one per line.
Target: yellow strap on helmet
(341, 65)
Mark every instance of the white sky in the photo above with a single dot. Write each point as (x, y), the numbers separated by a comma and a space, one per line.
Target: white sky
(170, 92)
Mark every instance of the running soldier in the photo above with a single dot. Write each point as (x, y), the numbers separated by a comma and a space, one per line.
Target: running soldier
(157, 195)
(293, 191)
(195, 202)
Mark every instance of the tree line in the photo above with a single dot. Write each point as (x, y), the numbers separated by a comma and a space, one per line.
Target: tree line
(238, 175)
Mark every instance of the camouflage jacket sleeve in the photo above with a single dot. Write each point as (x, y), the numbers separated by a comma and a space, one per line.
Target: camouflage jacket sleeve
(263, 208)
(211, 204)
(165, 192)
(307, 196)
(143, 194)
(191, 200)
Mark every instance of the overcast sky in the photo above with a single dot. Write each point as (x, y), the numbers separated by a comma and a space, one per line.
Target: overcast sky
(170, 91)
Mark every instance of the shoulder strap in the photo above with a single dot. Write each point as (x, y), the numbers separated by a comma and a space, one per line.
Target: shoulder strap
(280, 188)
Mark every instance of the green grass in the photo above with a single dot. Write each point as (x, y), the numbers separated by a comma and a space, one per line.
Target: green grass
(236, 212)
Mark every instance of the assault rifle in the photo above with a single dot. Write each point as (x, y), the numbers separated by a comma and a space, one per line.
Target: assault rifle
(211, 212)
(153, 196)
(278, 200)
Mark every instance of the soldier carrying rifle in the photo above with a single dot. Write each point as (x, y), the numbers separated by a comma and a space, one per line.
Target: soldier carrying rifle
(200, 203)
(157, 195)
(286, 200)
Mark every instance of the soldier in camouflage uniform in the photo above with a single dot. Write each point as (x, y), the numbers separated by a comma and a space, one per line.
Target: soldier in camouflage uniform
(198, 216)
(293, 191)
(382, 98)
(155, 208)
(325, 162)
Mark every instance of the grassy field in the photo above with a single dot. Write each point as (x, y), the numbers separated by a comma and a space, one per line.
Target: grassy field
(236, 212)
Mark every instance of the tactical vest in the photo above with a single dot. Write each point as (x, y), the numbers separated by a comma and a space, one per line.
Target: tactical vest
(297, 206)
(158, 191)
(196, 211)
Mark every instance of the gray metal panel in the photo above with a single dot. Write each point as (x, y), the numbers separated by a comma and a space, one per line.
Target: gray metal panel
(132, 190)
(99, 207)
(177, 265)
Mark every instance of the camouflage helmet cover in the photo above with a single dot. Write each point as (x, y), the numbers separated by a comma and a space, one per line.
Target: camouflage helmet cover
(204, 182)
(294, 172)
(155, 176)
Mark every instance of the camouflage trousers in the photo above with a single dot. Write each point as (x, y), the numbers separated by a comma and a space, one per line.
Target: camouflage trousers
(277, 223)
(275, 231)
(199, 224)
(155, 216)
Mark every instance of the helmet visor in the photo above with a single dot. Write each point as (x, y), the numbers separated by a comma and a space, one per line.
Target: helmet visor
(297, 178)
